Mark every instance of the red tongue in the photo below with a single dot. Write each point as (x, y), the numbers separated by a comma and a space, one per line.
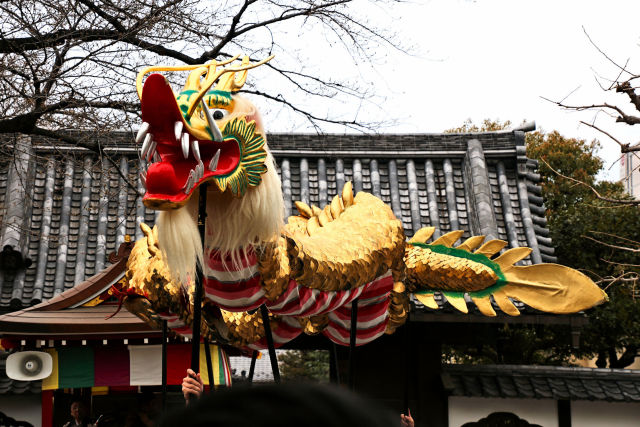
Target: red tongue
(164, 179)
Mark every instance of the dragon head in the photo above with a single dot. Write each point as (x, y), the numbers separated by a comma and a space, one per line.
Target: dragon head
(204, 133)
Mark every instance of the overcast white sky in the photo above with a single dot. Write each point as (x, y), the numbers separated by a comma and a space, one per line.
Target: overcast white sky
(497, 58)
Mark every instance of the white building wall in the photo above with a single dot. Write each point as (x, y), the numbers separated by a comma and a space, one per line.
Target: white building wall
(630, 173)
(23, 407)
(585, 413)
(535, 411)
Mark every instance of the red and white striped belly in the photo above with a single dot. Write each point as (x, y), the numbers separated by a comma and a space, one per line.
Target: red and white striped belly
(238, 288)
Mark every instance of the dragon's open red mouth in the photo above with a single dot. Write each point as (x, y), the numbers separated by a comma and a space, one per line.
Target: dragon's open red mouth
(178, 161)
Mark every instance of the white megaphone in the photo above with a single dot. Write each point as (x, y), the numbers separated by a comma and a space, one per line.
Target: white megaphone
(29, 365)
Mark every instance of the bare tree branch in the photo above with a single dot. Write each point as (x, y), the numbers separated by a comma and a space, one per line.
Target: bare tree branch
(609, 245)
(624, 147)
(25, 44)
(72, 62)
(623, 202)
(622, 264)
(626, 88)
(352, 124)
(622, 69)
(615, 236)
(622, 116)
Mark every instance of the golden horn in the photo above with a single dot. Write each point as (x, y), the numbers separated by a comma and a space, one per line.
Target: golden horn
(211, 80)
(160, 68)
(148, 70)
(231, 82)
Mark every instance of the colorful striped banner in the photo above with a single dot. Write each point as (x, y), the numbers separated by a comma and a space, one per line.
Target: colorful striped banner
(135, 365)
(219, 364)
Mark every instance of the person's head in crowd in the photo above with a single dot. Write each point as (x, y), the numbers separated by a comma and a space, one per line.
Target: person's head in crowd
(280, 406)
(78, 412)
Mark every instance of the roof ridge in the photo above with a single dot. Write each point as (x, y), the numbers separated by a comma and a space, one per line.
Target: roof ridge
(538, 369)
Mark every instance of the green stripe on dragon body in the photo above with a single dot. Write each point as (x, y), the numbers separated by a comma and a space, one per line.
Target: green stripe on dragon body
(449, 269)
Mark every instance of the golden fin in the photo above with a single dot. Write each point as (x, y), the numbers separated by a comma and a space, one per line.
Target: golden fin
(316, 210)
(313, 225)
(491, 247)
(511, 256)
(428, 300)
(422, 235)
(152, 237)
(336, 206)
(484, 305)
(155, 233)
(323, 219)
(502, 299)
(347, 194)
(296, 226)
(471, 243)
(304, 209)
(145, 229)
(327, 212)
(552, 288)
(457, 302)
(448, 239)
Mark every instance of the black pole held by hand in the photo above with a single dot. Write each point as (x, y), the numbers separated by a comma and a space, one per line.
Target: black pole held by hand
(197, 297)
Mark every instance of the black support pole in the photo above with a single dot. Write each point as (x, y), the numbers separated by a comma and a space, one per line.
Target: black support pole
(333, 364)
(352, 342)
(564, 413)
(272, 349)
(164, 364)
(252, 367)
(197, 297)
(207, 353)
(407, 369)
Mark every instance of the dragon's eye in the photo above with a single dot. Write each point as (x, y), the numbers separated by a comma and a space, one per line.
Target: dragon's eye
(219, 113)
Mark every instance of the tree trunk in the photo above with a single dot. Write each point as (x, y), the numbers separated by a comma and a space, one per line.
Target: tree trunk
(601, 362)
(626, 359)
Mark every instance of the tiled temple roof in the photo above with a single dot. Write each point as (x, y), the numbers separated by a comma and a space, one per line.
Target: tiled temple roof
(542, 382)
(67, 211)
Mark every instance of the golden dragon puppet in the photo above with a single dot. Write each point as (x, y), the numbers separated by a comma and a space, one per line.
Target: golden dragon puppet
(308, 271)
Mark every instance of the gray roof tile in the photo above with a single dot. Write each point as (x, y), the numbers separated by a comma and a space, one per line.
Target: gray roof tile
(507, 387)
(544, 382)
(426, 179)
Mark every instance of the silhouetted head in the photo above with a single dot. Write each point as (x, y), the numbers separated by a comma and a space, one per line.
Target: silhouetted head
(283, 405)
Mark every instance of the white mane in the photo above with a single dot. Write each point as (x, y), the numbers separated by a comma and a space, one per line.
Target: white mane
(233, 223)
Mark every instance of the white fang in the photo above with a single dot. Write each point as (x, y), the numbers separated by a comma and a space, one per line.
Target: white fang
(185, 145)
(146, 145)
(177, 130)
(152, 150)
(213, 164)
(190, 182)
(200, 170)
(195, 149)
(142, 132)
(217, 136)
